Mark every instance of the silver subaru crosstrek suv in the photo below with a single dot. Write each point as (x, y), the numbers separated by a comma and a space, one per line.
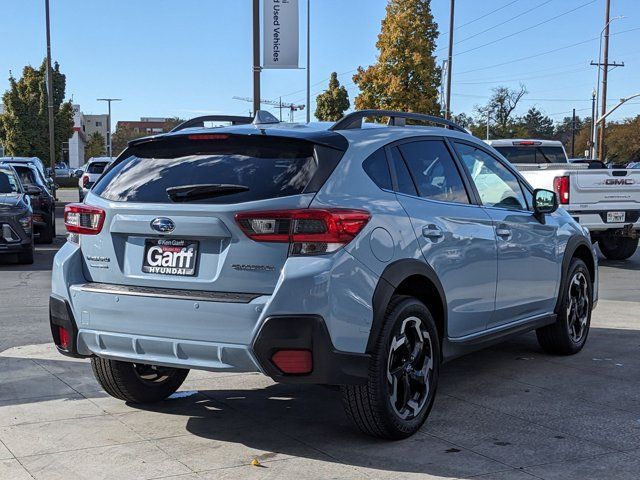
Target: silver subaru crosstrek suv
(354, 254)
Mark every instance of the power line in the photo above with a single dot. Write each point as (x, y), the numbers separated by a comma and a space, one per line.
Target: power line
(482, 16)
(555, 73)
(499, 24)
(528, 28)
(529, 57)
(318, 83)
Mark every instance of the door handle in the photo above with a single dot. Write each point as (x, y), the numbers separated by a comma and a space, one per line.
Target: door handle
(432, 231)
(503, 231)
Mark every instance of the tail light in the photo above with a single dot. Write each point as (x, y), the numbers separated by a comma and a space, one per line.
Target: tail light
(307, 231)
(293, 362)
(561, 187)
(85, 181)
(83, 219)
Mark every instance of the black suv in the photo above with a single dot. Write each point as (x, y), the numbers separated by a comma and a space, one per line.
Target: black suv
(16, 232)
(42, 202)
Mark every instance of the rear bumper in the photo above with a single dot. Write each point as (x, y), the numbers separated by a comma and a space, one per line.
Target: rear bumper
(292, 332)
(596, 220)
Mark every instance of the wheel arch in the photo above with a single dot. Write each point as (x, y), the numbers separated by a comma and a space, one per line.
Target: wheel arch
(577, 247)
(408, 277)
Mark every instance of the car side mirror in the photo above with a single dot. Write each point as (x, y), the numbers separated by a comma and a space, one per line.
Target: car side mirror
(33, 190)
(78, 173)
(544, 201)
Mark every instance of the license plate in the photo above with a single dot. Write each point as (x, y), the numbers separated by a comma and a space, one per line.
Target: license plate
(615, 217)
(170, 256)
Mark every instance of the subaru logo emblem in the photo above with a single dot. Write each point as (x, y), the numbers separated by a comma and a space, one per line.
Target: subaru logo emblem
(163, 225)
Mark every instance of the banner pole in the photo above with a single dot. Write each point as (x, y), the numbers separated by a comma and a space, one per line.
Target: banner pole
(308, 61)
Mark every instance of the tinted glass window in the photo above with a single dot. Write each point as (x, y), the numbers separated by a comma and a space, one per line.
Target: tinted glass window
(497, 186)
(262, 168)
(96, 167)
(519, 155)
(26, 176)
(405, 184)
(434, 171)
(8, 182)
(377, 168)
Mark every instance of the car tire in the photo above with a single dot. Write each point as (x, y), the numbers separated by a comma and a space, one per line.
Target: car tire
(137, 383)
(569, 333)
(26, 258)
(47, 234)
(403, 374)
(618, 248)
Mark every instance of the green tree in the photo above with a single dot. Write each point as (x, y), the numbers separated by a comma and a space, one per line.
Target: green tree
(501, 109)
(405, 76)
(623, 141)
(563, 133)
(95, 146)
(25, 124)
(536, 125)
(333, 102)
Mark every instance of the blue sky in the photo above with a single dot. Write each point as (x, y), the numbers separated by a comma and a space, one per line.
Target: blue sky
(186, 58)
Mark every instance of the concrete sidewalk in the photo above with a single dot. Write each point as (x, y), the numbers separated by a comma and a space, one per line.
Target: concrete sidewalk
(510, 412)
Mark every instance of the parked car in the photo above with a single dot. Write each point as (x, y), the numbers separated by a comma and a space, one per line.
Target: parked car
(634, 165)
(605, 201)
(16, 232)
(43, 203)
(340, 255)
(62, 170)
(92, 171)
(44, 171)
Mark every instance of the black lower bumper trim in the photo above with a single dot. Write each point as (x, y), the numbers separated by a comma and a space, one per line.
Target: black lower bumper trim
(305, 332)
(60, 315)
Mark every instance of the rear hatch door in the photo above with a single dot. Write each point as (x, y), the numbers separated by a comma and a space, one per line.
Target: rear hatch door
(170, 209)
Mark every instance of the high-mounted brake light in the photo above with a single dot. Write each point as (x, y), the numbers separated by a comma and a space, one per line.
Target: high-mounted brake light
(307, 231)
(83, 219)
(208, 136)
(561, 187)
(526, 143)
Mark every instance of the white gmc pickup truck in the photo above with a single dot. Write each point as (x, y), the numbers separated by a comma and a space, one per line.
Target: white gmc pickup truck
(605, 201)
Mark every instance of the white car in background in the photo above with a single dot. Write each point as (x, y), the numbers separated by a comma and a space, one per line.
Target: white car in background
(603, 200)
(92, 171)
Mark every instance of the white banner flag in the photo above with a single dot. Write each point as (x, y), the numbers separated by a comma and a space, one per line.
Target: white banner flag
(281, 34)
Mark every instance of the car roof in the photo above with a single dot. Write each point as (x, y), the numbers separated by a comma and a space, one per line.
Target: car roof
(371, 134)
(100, 159)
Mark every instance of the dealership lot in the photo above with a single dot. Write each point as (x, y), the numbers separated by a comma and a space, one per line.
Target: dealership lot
(509, 412)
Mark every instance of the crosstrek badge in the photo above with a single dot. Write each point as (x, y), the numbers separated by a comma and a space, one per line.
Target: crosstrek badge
(170, 257)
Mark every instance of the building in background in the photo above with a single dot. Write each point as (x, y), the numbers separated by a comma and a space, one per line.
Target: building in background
(96, 123)
(74, 151)
(146, 125)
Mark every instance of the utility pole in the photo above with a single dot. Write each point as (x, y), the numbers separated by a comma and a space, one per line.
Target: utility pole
(109, 100)
(447, 112)
(256, 56)
(573, 134)
(488, 118)
(52, 148)
(593, 125)
(603, 67)
(308, 62)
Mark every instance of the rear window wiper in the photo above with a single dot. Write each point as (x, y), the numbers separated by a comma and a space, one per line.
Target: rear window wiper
(186, 193)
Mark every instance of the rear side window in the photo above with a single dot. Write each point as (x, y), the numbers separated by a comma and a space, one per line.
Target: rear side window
(434, 171)
(377, 168)
(26, 176)
(236, 170)
(405, 184)
(520, 155)
(96, 167)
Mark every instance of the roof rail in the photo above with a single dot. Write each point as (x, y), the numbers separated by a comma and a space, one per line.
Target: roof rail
(354, 120)
(199, 121)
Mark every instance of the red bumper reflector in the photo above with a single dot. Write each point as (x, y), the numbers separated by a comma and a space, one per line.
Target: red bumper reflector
(293, 361)
(63, 335)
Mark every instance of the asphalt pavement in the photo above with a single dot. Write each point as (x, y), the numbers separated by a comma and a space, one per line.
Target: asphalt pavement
(508, 412)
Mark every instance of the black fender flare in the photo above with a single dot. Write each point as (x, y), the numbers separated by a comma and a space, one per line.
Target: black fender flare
(573, 244)
(392, 276)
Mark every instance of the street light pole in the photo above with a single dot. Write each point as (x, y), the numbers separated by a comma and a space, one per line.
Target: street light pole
(52, 148)
(256, 56)
(308, 61)
(488, 118)
(447, 112)
(109, 100)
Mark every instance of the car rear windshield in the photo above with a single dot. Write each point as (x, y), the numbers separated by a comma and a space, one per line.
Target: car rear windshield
(96, 167)
(26, 175)
(240, 169)
(528, 154)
